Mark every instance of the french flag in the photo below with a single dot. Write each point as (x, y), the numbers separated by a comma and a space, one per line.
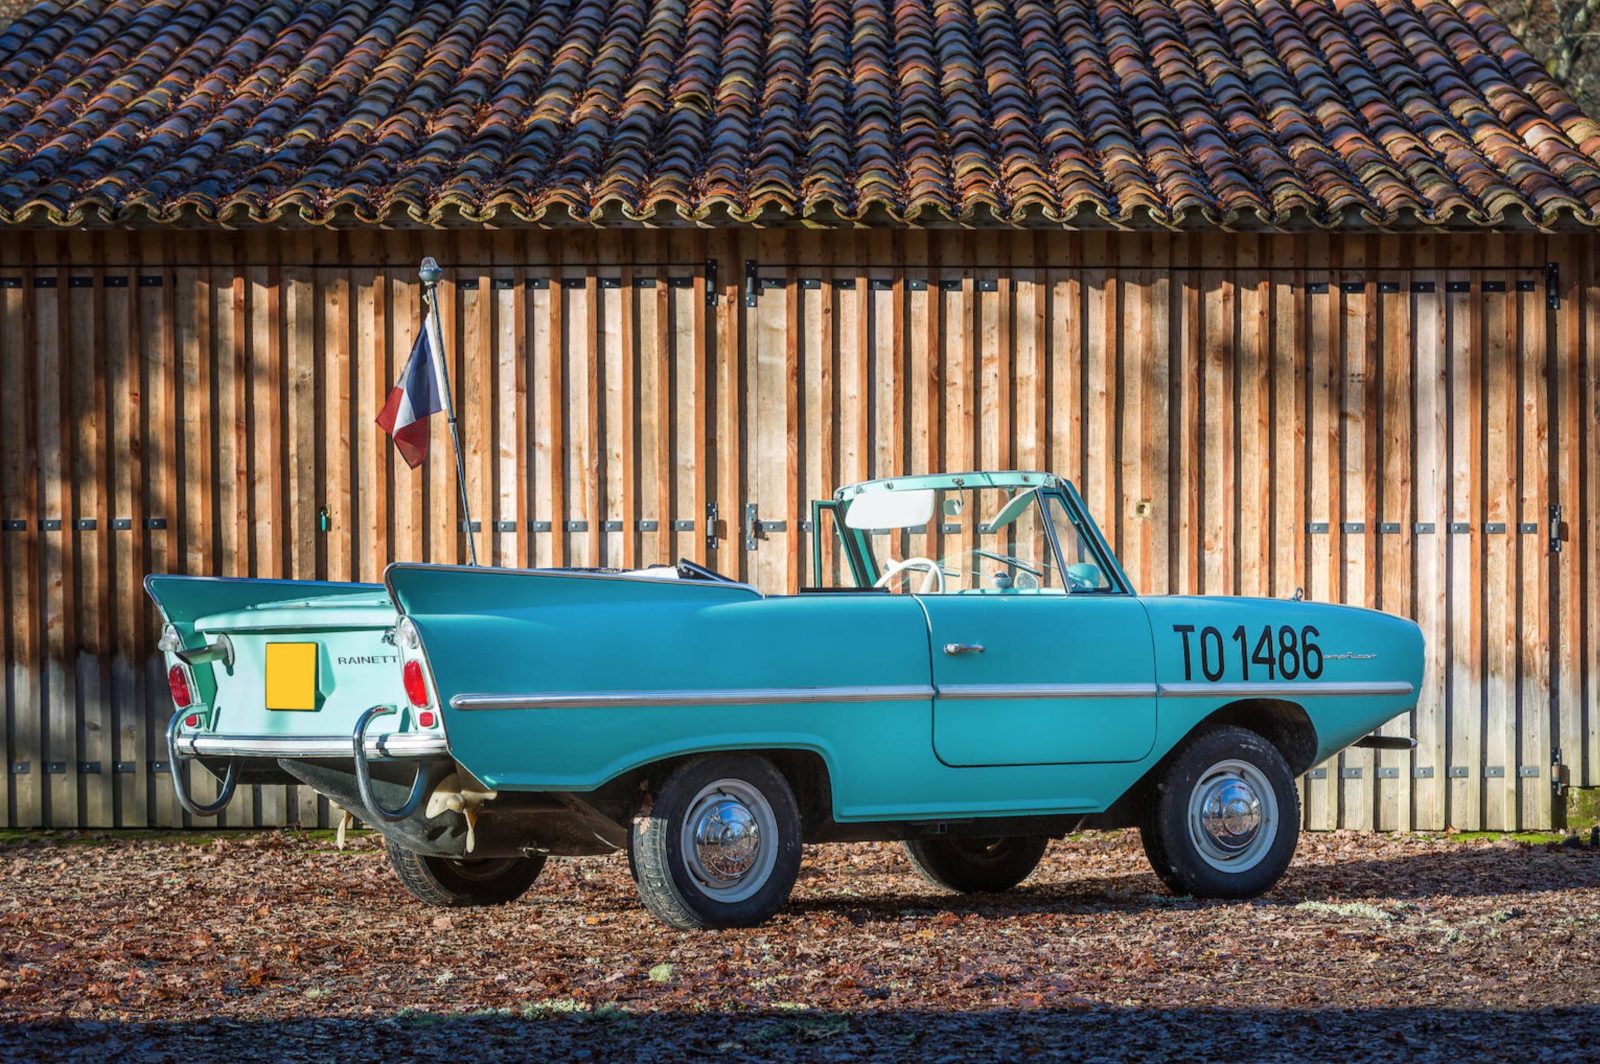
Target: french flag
(416, 395)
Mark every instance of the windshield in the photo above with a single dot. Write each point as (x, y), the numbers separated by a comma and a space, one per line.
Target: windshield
(987, 539)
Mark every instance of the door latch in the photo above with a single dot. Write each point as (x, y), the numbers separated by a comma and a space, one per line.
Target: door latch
(963, 648)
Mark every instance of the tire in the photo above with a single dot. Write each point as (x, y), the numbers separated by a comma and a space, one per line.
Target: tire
(1224, 771)
(458, 884)
(977, 865)
(745, 817)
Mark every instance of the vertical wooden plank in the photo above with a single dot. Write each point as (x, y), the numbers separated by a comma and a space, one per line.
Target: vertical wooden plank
(84, 375)
(765, 399)
(1155, 526)
(404, 322)
(1217, 412)
(631, 409)
(793, 506)
(191, 516)
(474, 382)
(336, 432)
(1464, 708)
(134, 618)
(1288, 367)
(1392, 809)
(705, 337)
(1029, 389)
(506, 455)
(1533, 594)
(19, 363)
(1187, 479)
(369, 306)
(1099, 386)
(1321, 309)
(686, 445)
(270, 535)
(1576, 476)
(157, 358)
(302, 308)
(1497, 572)
(815, 373)
(1587, 547)
(1356, 512)
(546, 416)
(613, 399)
(1252, 447)
(1126, 525)
(660, 346)
(10, 456)
(52, 340)
(1431, 515)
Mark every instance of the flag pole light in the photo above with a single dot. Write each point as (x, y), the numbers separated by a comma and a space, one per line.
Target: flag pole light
(430, 274)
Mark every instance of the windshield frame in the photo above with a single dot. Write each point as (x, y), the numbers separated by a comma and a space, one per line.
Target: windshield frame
(863, 563)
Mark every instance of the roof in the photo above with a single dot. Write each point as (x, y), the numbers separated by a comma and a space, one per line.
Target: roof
(1185, 113)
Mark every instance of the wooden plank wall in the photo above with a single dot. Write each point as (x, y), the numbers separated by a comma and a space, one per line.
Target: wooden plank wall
(1382, 420)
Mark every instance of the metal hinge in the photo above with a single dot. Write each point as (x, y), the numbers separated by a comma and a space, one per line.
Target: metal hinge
(1555, 529)
(711, 282)
(1552, 286)
(1560, 774)
(752, 283)
(711, 525)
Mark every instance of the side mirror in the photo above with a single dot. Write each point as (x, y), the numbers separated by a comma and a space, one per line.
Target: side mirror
(876, 510)
(1085, 576)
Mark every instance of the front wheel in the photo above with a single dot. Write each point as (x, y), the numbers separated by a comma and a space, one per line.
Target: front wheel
(973, 866)
(465, 882)
(720, 844)
(1224, 818)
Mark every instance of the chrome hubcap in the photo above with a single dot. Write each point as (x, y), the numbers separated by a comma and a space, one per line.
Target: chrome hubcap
(728, 840)
(1233, 816)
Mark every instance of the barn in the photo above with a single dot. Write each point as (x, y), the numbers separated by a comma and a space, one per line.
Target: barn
(1303, 296)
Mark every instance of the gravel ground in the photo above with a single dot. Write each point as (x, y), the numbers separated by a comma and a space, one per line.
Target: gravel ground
(277, 945)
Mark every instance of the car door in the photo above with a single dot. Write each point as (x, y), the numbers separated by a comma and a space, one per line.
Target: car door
(1040, 678)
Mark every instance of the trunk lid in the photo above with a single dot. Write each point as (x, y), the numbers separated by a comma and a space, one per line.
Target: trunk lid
(307, 656)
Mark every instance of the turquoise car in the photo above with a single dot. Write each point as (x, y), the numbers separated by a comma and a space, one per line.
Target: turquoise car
(980, 677)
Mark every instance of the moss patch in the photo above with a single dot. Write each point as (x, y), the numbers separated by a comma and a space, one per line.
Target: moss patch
(1583, 808)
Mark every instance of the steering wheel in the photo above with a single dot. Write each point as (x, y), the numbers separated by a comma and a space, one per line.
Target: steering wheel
(932, 581)
(1006, 559)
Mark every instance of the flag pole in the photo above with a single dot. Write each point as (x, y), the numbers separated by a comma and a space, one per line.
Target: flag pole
(430, 273)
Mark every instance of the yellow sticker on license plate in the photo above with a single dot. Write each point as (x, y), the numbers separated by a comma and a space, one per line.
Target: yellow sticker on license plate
(291, 676)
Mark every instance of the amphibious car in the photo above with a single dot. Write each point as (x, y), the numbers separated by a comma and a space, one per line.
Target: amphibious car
(980, 677)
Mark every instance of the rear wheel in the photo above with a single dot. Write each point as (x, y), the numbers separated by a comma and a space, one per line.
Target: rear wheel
(464, 882)
(971, 866)
(720, 845)
(1225, 816)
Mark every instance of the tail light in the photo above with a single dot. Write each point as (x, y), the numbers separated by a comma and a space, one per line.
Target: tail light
(178, 684)
(416, 686)
(426, 719)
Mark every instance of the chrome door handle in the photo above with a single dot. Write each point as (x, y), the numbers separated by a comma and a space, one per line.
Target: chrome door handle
(963, 648)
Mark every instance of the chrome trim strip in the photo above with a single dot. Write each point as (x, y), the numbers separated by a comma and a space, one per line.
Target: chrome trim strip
(393, 746)
(729, 696)
(966, 691)
(1317, 688)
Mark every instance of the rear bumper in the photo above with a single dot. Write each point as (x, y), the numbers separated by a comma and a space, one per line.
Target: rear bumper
(393, 747)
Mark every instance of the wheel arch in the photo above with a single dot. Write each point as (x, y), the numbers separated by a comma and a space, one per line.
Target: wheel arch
(1284, 724)
(805, 769)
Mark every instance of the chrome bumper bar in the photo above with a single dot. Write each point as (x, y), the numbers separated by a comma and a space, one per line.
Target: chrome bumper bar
(409, 745)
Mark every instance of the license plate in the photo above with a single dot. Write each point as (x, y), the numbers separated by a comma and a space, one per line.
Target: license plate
(292, 676)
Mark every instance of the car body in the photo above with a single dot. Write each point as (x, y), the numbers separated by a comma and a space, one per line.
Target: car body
(983, 668)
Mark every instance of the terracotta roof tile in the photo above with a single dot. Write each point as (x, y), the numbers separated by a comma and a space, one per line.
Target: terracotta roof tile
(1276, 113)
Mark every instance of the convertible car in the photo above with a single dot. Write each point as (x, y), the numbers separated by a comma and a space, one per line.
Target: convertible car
(981, 678)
